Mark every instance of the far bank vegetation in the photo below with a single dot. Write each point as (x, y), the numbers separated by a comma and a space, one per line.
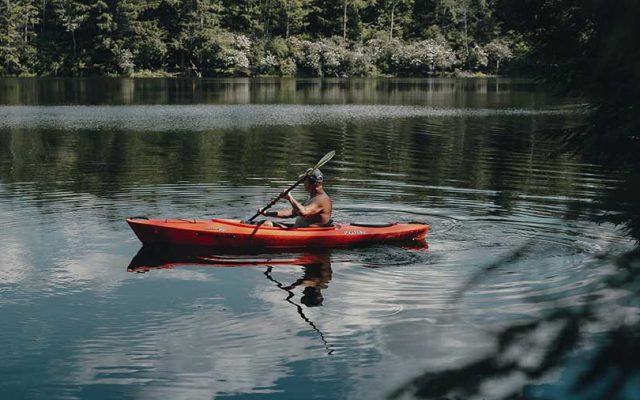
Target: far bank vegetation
(325, 38)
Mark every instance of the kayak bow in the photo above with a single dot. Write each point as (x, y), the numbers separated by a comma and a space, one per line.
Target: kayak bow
(225, 233)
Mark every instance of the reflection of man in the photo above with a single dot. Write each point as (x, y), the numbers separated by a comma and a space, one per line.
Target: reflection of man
(317, 276)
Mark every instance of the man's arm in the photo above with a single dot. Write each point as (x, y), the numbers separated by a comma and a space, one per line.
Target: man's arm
(288, 213)
(313, 208)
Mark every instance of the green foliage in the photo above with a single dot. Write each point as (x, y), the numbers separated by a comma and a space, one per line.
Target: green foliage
(150, 47)
(478, 58)
(195, 37)
(292, 17)
(245, 16)
(18, 20)
(71, 15)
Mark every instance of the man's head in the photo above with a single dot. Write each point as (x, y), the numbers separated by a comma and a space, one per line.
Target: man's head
(312, 296)
(313, 179)
(315, 176)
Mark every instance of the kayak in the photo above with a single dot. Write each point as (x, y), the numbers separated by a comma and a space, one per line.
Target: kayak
(226, 233)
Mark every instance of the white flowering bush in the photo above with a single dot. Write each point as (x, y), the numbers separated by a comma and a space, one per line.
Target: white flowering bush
(266, 64)
(359, 62)
(307, 55)
(241, 42)
(497, 52)
(226, 54)
(288, 67)
(478, 58)
(423, 57)
(124, 59)
(331, 57)
(335, 58)
(381, 53)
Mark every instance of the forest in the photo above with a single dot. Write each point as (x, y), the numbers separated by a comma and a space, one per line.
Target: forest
(209, 38)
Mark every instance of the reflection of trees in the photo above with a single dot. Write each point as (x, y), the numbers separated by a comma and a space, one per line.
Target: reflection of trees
(404, 91)
(424, 152)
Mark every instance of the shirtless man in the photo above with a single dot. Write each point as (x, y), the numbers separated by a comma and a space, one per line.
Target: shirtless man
(316, 210)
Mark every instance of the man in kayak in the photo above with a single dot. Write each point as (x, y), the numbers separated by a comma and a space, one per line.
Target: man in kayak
(316, 210)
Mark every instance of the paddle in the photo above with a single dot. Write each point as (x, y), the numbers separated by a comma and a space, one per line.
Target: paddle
(320, 163)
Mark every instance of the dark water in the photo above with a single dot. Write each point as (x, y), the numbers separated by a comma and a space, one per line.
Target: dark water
(470, 157)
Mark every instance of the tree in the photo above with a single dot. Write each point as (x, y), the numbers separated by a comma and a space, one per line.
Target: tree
(107, 51)
(71, 14)
(468, 18)
(295, 13)
(196, 24)
(246, 16)
(390, 16)
(459, 10)
(75, 37)
(355, 6)
(17, 35)
(423, 15)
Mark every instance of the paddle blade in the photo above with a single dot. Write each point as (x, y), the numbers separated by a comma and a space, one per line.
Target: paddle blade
(323, 161)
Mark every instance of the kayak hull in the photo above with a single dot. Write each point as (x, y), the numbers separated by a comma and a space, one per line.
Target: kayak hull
(224, 233)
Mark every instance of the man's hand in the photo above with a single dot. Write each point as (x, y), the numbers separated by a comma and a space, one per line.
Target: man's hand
(267, 213)
(284, 195)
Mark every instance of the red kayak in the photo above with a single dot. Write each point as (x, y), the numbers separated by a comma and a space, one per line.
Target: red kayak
(224, 233)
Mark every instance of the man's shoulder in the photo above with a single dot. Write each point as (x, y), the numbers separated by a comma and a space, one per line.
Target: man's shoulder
(321, 197)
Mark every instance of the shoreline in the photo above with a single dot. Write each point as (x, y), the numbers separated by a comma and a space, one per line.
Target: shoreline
(169, 75)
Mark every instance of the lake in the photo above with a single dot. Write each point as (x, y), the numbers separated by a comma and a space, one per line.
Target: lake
(85, 316)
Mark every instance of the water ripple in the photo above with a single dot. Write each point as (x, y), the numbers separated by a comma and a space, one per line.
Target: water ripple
(202, 118)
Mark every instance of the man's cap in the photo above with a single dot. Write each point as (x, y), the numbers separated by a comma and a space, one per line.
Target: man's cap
(315, 176)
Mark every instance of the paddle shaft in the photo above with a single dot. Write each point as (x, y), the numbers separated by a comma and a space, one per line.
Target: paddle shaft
(274, 201)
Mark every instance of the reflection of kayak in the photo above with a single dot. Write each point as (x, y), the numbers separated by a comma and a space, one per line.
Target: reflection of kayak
(233, 234)
(155, 257)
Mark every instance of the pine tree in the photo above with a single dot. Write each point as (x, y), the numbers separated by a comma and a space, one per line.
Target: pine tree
(289, 17)
(71, 15)
(104, 53)
(244, 16)
(17, 36)
(140, 30)
(196, 25)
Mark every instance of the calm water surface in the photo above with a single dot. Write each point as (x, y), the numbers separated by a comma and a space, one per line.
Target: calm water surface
(84, 316)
